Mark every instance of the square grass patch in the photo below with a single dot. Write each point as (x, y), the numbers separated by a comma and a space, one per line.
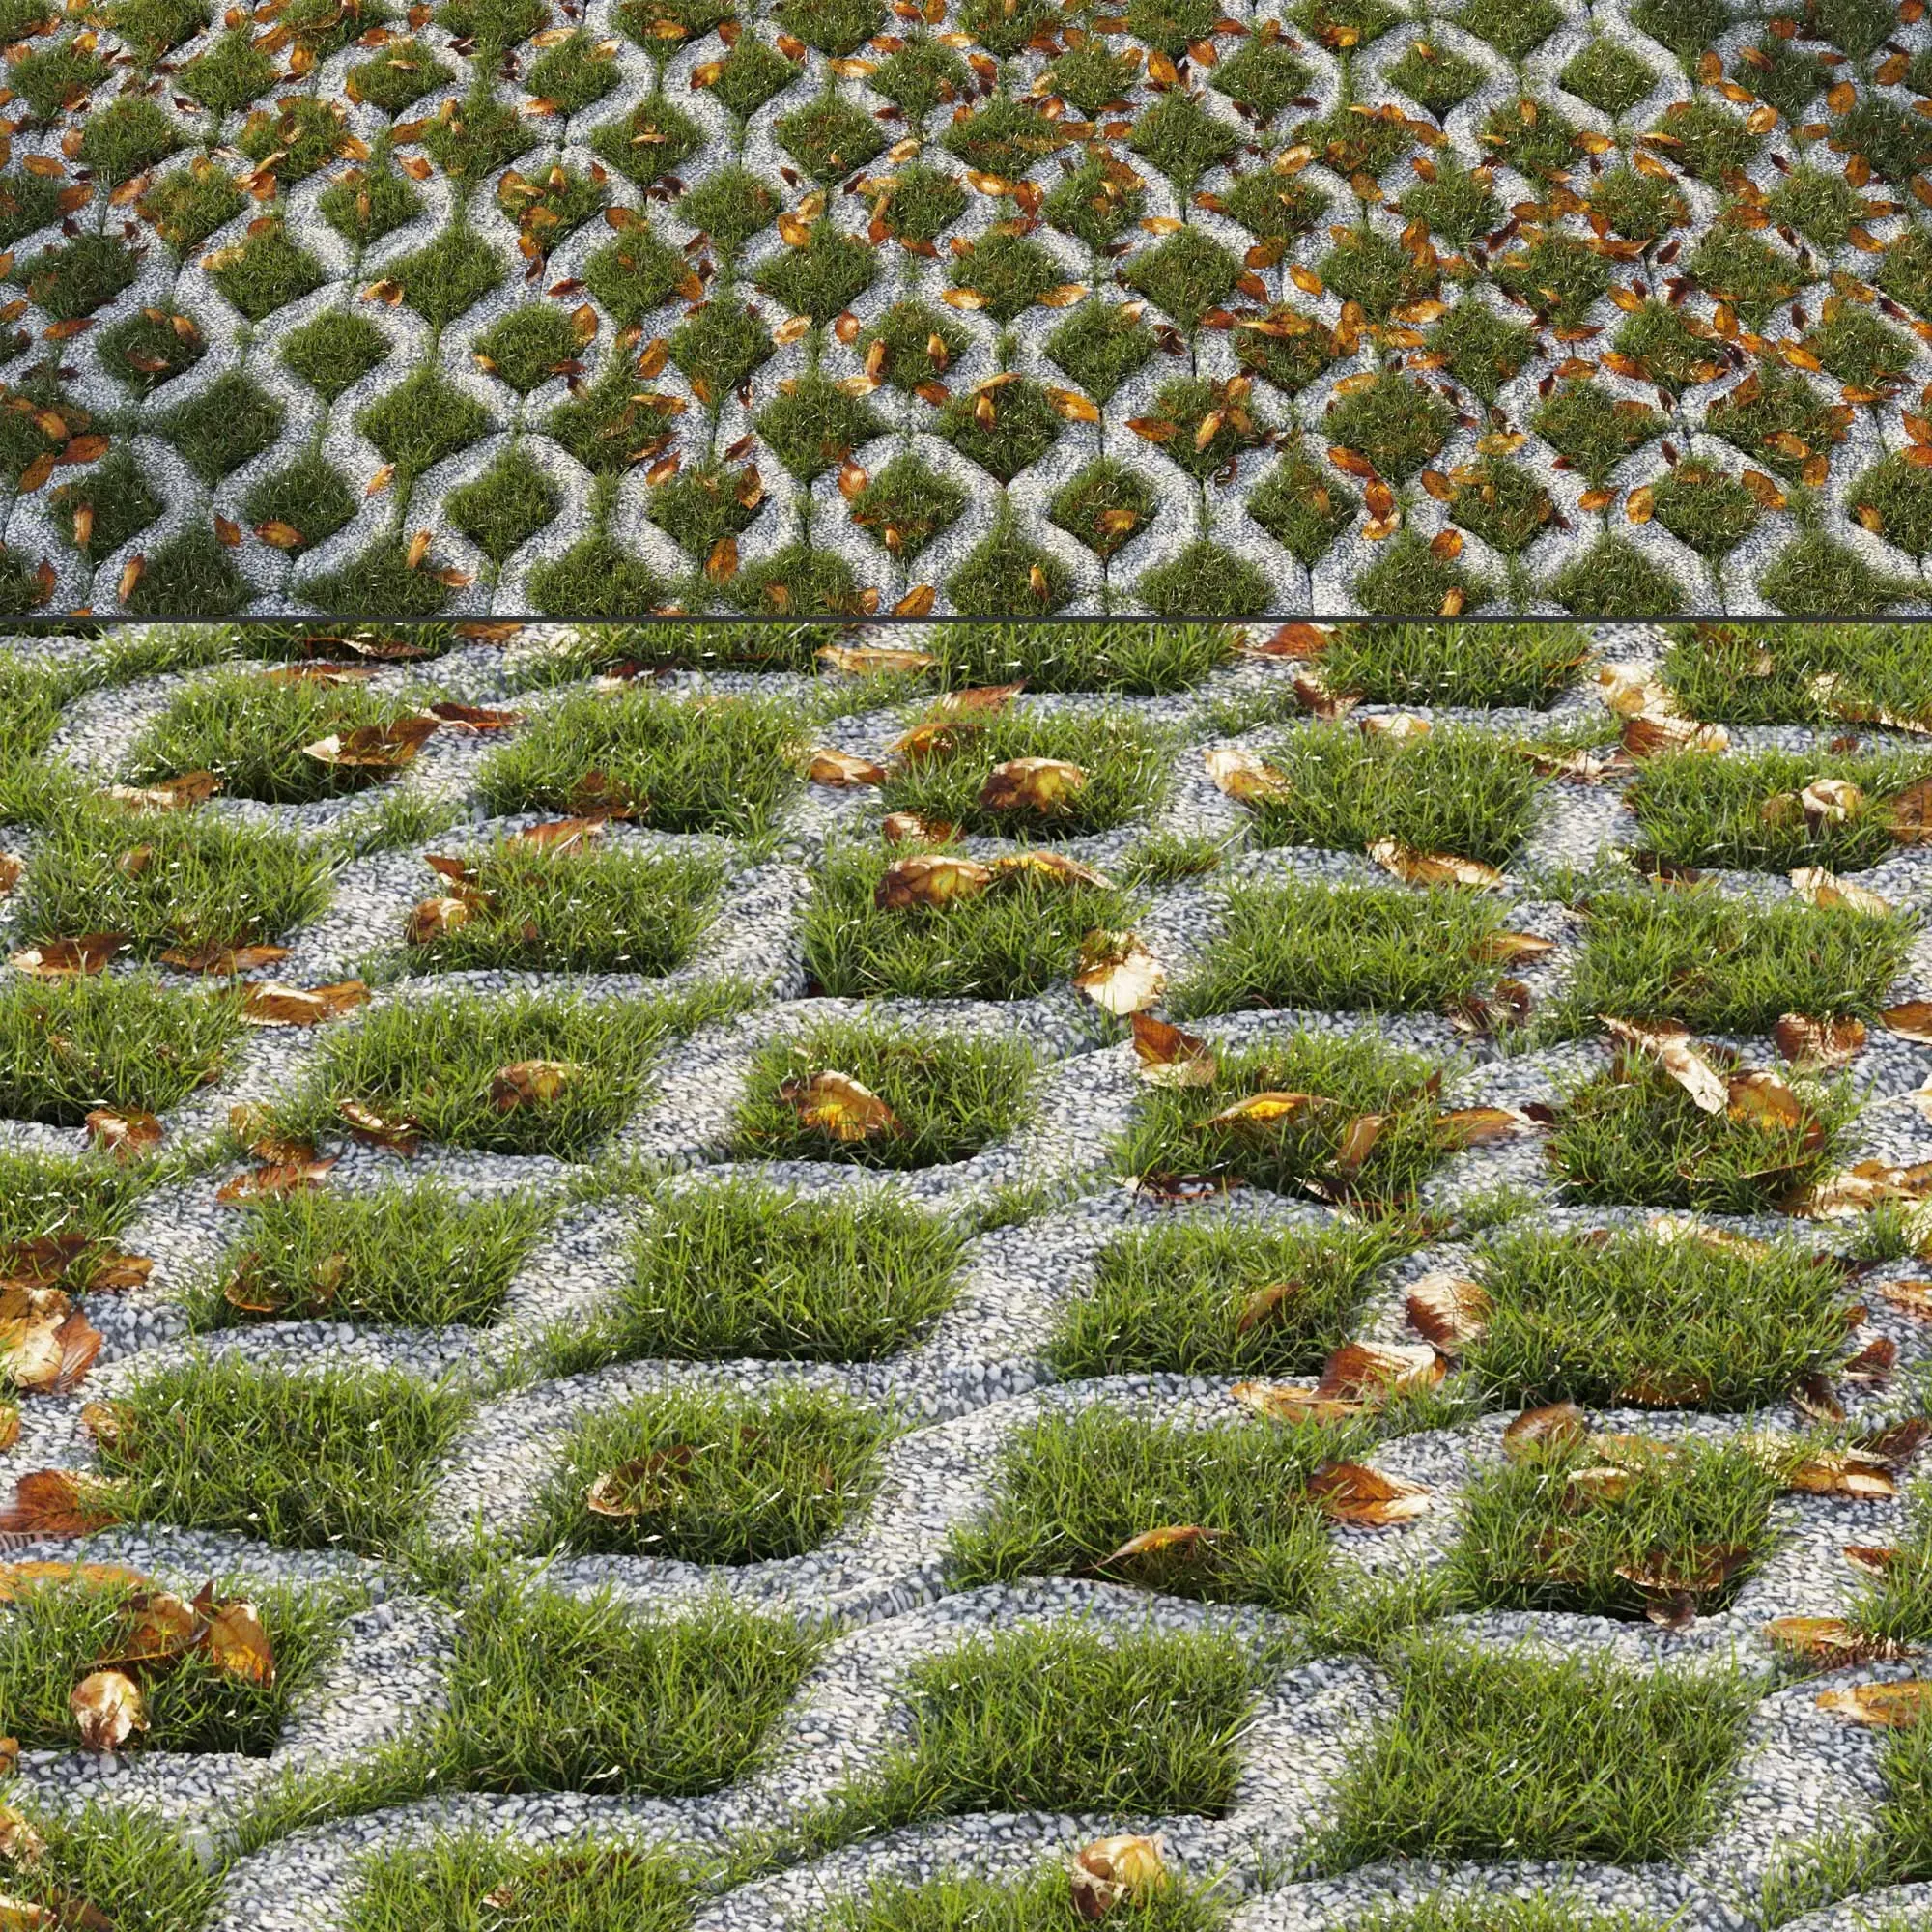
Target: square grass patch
(1124, 767)
(678, 765)
(250, 731)
(1222, 1299)
(70, 1046)
(1463, 792)
(1723, 965)
(427, 1069)
(1527, 665)
(1017, 937)
(1801, 673)
(746, 1270)
(418, 1256)
(78, 1204)
(336, 1457)
(1343, 947)
(582, 908)
(1300, 1132)
(551, 1693)
(1642, 1319)
(54, 1632)
(699, 1476)
(1742, 813)
(136, 1870)
(1514, 1755)
(170, 880)
(462, 1877)
(1633, 1135)
(950, 1097)
(1072, 1490)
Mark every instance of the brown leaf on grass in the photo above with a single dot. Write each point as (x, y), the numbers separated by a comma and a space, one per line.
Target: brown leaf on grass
(1763, 1101)
(1839, 1196)
(532, 1083)
(226, 960)
(1696, 1572)
(862, 661)
(558, 835)
(10, 1427)
(838, 1106)
(844, 769)
(108, 1709)
(1873, 1363)
(1245, 776)
(1648, 734)
(1448, 1310)
(1185, 1543)
(1431, 868)
(58, 1502)
(176, 794)
(402, 1135)
(1353, 1492)
(156, 1627)
(1371, 1370)
(1053, 868)
(1269, 1108)
(1909, 815)
(1671, 1047)
(39, 1260)
(1843, 1473)
(436, 918)
(1911, 1021)
(12, 872)
(234, 1638)
(1828, 1043)
(1267, 1304)
(376, 748)
(273, 1178)
(1031, 784)
(61, 958)
(1358, 1143)
(1875, 1559)
(126, 1134)
(1119, 974)
(1831, 1642)
(644, 1482)
(1814, 882)
(908, 828)
(1124, 1870)
(46, 1344)
(1477, 1127)
(270, 1002)
(1901, 1703)
(1558, 1426)
(930, 879)
(474, 717)
(1167, 1057)
(1509, 949)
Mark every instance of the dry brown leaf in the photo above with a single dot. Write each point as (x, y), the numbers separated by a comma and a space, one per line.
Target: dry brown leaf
(930, 879)
(844, 769)
(863, 661)
(108, 1709)
(1431, 868)
(1510, 948)
(61, 958)
(403, 1136)
(644, 1482)
(1830, 1641)
(123, 1133)
(1448, 1310)
(280, 1177)
(46, 1344)
(1900, 1703)
(383, 747)
(1821, 888)
(57, 1502)
(1763, 1101)
(1124, 1870)
(1671, 1047)
(532, 1083)
(1245, 776)
(227, 961)
(1167, 1057)
(1805, 1041)
(1053, 868)
(1558, 1428)
(1186, 1541)
(838, 1106)
(176, 794)
(1032, 785)
(1353, 1492)
(1911, 1021)
(235, 1639)
(1477, 1127)
(1119, 974)
(270, 1003)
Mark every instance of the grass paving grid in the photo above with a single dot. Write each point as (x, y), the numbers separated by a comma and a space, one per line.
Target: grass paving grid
(986, 1334)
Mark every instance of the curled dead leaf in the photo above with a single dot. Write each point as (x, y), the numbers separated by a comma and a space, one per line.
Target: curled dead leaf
(108, 1709)
(1167, 1057)
(838, 1106)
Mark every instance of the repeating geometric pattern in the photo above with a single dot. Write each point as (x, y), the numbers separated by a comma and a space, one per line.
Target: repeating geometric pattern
(388, 1769)
(842, 307)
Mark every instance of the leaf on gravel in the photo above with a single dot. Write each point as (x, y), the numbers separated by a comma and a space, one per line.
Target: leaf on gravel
(226, 960)
(1353, 1492)
(558, 835)
(235, 1639)
(838, 1106)
(1814, 883)
(1875, 1559)
(1433, 868)
(644, 1482)
(1115, 1871)
(1911, 1021)
(532, 1083)
(1449, 1310)
(1167, 1057)
(1556, 1428)
(1873, 1363)
(1648, 734)
(1477, 1127)
(1185, 1543)
(177, 794)
(1841, 1196)
(1671, 1047)
(261, 1184)
(403, 1136)
(108, 1709)
(1846, 1473)
(59, 958)
(270, 1002)
(1031, 784)
(434, 918)
(1831, 1642)
(1828, 1043)
(1509, 949)
(1901, 1703)
(1909, 815)
(1245, 776)
(1119, 974)
(930, 879)
(126, 1134)
(46, 1344)
(58, 1502)
(474, 717)
(864, 662)
(1910, 1297)
(844, 769)
(376, 748)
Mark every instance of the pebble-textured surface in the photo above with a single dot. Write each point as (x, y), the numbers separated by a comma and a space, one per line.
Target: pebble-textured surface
(627, 262)
(1037, 1208)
